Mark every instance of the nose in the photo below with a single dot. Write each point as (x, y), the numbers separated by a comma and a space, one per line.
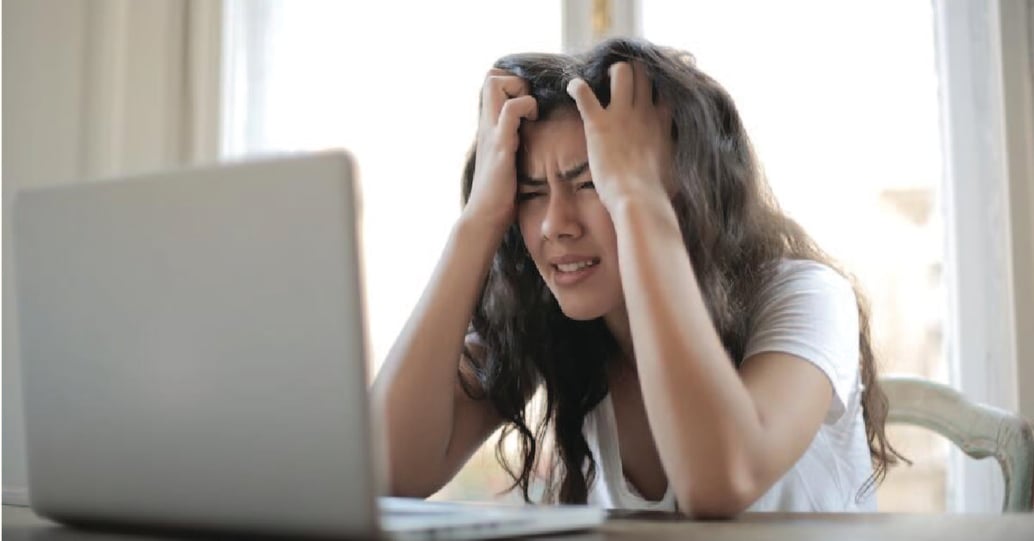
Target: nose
(562, 218)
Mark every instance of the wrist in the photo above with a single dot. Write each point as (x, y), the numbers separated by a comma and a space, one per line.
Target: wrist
(472, 225)
(643, 210)
(638, 198)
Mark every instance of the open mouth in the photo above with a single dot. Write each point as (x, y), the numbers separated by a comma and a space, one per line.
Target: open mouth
(575, 267)
(570, 274)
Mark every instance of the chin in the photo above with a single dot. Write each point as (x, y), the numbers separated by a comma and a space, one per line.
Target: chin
(582, 311)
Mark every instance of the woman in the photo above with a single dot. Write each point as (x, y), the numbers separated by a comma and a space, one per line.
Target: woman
(619, 247)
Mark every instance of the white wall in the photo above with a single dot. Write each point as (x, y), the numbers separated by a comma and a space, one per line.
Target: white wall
(42, 102)
(94, 89)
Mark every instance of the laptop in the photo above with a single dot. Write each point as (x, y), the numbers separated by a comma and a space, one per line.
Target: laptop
(194, 357)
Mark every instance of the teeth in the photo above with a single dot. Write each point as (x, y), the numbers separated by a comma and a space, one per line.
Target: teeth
(571, 267)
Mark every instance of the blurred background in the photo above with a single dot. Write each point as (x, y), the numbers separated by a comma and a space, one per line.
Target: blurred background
(897, 132)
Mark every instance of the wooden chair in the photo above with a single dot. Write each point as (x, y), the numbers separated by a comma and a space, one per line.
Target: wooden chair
(979, 430)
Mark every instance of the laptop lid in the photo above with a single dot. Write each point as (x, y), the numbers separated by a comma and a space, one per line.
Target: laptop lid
(193, 349)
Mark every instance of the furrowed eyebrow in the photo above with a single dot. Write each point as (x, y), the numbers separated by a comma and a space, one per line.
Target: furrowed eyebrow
(568, 175)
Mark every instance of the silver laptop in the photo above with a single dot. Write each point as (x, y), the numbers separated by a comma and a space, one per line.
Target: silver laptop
(193, 357)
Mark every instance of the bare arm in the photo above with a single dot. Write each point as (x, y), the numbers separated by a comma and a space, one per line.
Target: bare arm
(432, 425)
(723, 436)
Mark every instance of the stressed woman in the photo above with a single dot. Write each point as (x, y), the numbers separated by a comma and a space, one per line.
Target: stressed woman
(620, 249)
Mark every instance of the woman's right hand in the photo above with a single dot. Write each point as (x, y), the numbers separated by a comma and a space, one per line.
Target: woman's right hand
(504, 102)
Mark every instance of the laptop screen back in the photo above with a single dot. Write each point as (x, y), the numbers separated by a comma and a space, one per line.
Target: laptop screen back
(193, 349)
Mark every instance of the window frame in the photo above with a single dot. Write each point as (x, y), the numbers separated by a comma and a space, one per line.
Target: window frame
(989, 238)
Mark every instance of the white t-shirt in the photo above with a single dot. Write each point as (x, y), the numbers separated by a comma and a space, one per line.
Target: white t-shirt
(810, 311)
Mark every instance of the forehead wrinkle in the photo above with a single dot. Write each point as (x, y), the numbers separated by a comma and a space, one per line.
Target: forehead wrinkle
(556, 141)
(564, 176)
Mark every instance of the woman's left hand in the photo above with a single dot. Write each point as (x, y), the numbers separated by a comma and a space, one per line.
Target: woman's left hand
(629, 141)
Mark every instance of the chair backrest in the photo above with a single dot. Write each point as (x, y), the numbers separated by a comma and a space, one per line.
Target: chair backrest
(979, 430)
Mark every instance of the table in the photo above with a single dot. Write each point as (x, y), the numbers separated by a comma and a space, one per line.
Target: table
(20, 523)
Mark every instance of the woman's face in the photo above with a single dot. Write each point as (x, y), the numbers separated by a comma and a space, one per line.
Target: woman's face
(566, 228)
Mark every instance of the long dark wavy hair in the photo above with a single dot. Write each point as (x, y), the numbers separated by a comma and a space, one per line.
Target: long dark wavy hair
(734, 233)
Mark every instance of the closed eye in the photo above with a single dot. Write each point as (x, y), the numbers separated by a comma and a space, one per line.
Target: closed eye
(588, 184)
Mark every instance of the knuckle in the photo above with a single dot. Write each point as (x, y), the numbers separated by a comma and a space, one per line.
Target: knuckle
(513, 105)
(493, 82)
(511, 85)
(620, 69)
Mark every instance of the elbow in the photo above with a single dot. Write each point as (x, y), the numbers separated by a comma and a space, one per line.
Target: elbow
(715, 507)
(413, 485)
(407, 477)
(720, 496)
(404, 491)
